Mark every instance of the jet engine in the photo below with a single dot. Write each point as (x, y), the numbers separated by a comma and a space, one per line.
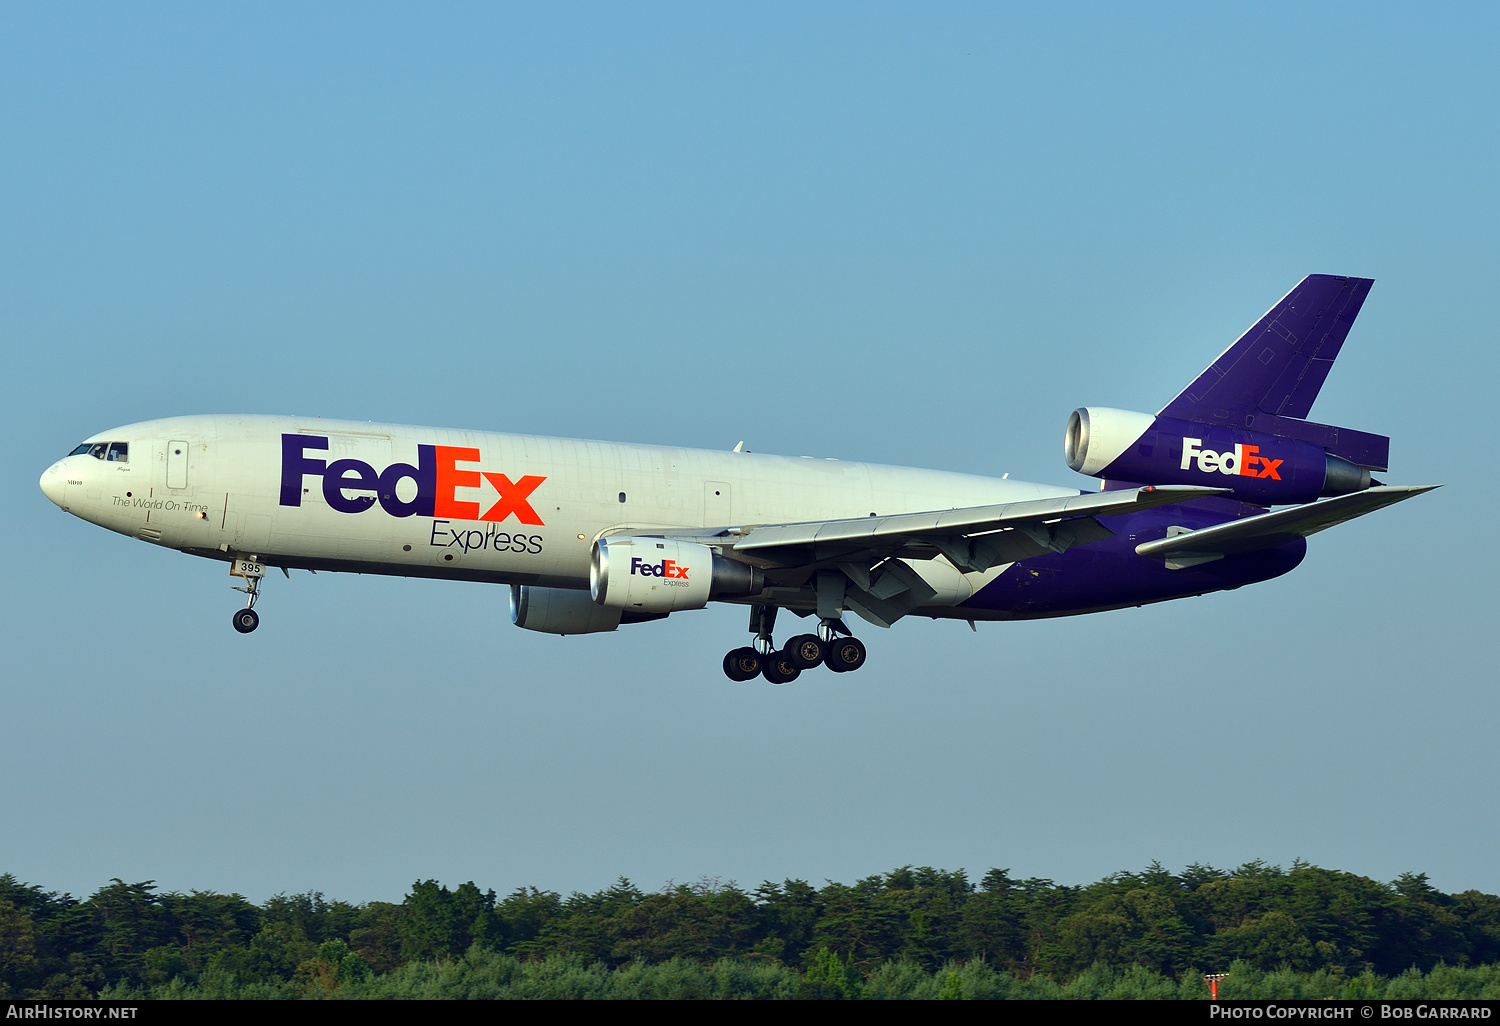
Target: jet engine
(1258, 467)
(559, 611)
(659, 575)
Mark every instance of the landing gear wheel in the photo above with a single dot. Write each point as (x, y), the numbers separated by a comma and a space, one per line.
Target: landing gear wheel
(246, 620)
(742, 664)
(844, 655)
(778, 669)
(805, 650)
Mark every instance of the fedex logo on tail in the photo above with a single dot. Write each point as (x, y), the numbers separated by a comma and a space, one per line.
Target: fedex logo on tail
(666, 568)
(1243, 461)
(353, 486)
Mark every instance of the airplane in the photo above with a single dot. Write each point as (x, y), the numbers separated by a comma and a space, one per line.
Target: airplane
(591, 536)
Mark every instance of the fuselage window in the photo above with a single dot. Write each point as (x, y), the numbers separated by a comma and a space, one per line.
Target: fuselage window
(119, 452)
(98, 449)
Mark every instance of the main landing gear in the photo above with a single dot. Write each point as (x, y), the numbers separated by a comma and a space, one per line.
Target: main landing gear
(833, 646)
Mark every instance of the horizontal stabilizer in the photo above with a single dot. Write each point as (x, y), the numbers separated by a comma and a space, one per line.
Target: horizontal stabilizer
(1271, 529)
(1361, 448)
(1278, 366)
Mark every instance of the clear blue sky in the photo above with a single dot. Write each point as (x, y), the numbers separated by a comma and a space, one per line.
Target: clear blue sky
(900, 233)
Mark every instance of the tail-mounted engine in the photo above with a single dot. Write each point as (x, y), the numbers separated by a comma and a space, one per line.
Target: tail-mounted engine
(658, 575)
(1259, 467)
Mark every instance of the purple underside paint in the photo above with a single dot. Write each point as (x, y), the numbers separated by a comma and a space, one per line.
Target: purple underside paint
(1109, 575)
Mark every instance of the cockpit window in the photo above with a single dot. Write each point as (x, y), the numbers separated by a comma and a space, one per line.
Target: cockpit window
(109, 452)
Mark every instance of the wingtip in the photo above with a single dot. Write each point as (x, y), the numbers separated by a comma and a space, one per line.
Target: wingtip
(1408, 489)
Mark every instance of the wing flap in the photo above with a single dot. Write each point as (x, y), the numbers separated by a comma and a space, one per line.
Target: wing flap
(895, 592)
(1269, 529)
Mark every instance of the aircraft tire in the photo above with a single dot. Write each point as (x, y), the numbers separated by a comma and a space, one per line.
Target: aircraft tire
(246, 620)
(845, 655)
(742, 664)
(778, 669)
(805, 650)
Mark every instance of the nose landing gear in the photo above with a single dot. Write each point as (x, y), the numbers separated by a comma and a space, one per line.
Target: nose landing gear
(253, 571)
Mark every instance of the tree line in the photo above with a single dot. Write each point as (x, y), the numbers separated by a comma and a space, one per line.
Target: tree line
(928, 927)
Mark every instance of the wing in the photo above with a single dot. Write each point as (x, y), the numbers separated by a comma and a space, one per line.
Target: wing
(1190, 548)
(857, 562)
(975, 537)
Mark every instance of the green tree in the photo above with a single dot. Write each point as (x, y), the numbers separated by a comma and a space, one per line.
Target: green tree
(788, 915)
(128, 920)
(272, 956)
(203, 923)
(437, 923)
(1139, 927)
(1479, 914)
(377, 937)
(523, 915)
(705, 922)
(1266, 941)
(316, 918)
(589, 925)
(1421, 927)
(18, 958)
(829, 977)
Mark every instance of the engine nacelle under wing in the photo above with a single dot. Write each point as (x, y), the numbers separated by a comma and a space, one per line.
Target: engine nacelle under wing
(1260, 468)
(560, 611)
(660, 575)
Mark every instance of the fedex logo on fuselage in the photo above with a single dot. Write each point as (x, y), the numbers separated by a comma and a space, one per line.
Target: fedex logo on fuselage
(1244, 461)
(666, 568)
(353, 486)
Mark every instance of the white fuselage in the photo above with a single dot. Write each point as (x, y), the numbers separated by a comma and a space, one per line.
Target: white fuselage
(219, 486)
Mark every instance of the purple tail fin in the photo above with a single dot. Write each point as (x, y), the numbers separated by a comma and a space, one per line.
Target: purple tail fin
(1278, 366)
(1269, 378)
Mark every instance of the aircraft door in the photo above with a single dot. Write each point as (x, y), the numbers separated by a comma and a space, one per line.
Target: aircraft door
(177, 464)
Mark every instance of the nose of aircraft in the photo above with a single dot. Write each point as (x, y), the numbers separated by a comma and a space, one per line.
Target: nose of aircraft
(53, 482)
